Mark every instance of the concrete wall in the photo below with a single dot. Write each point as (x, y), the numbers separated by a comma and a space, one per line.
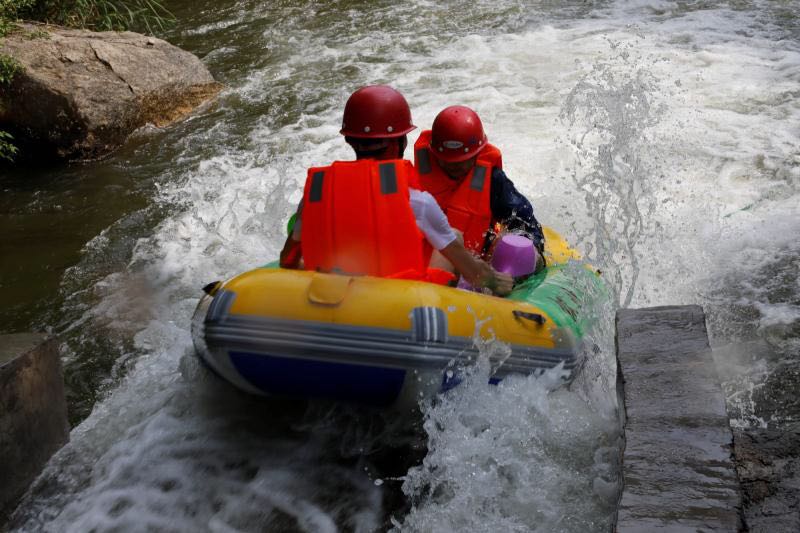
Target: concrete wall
(677, 469)
(33, 412)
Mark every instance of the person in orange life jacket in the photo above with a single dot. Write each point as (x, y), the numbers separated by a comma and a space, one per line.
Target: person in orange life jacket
(454, 160)
(376, 122)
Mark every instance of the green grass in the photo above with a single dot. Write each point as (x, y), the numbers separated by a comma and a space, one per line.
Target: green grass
(37, 34)
(10, 11)
(146, 16)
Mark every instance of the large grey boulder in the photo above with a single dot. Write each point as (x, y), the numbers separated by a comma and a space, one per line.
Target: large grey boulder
(82, 93)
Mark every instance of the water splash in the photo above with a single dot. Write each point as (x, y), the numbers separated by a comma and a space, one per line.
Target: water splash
(512, 457)
(610, 113)
(528, 454)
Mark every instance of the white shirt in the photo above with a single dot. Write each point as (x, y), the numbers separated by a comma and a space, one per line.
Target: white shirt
(430, 218)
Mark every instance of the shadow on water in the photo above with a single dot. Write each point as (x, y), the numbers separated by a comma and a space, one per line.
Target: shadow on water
(65, 228)
(47, 216)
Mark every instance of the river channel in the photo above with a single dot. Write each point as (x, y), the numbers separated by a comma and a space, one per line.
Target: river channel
(661, 138)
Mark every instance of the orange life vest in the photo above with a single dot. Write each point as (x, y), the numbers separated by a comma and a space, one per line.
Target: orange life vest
(357, 219)
(467, 201)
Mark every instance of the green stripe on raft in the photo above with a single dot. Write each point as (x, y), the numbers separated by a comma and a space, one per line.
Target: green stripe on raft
(563, 291)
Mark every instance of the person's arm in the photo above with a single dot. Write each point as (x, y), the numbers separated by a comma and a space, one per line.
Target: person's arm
(437, 230)
(292, 252)
(513, 210)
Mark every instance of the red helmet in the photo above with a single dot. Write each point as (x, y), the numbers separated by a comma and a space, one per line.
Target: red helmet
(376, 111)
(457, 134)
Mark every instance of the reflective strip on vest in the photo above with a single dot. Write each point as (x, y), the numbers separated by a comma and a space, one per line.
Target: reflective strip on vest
(422, 159)
(478, 178)
(315, 195)
(388, 178)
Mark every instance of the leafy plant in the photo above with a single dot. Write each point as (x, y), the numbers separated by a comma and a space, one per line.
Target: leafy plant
(12, 7)
(10, 10)
(7, 149)
(8, 68)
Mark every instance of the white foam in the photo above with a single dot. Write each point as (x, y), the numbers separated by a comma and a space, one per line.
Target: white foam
(512, 457)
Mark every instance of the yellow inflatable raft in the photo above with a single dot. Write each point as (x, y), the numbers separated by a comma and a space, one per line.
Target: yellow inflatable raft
(373, 340)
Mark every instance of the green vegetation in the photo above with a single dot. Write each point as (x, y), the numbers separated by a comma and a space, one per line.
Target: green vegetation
(8, 69)
(11, 10)
(7, 149)
(148, 16)
(37, 34)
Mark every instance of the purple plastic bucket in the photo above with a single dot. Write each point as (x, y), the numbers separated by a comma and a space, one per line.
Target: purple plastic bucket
(514, 255)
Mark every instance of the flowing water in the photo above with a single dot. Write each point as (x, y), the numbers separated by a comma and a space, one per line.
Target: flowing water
(659, 137)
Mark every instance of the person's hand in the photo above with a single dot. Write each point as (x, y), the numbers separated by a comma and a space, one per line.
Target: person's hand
(501, 284)
(497, 282)
(477, 272)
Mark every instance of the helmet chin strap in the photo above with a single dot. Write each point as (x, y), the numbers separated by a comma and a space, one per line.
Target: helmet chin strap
(402, 146)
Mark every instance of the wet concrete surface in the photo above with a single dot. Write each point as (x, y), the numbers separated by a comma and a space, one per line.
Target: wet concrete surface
(33, 412)
(677, 465)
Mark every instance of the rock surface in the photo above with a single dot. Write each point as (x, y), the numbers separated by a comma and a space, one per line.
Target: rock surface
(768, 463)
(82, 93)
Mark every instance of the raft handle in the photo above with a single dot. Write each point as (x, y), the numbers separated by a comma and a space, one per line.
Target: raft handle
(534, 317)
(212, 287)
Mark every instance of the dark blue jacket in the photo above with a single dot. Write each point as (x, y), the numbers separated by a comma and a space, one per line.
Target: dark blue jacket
(512, 209)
